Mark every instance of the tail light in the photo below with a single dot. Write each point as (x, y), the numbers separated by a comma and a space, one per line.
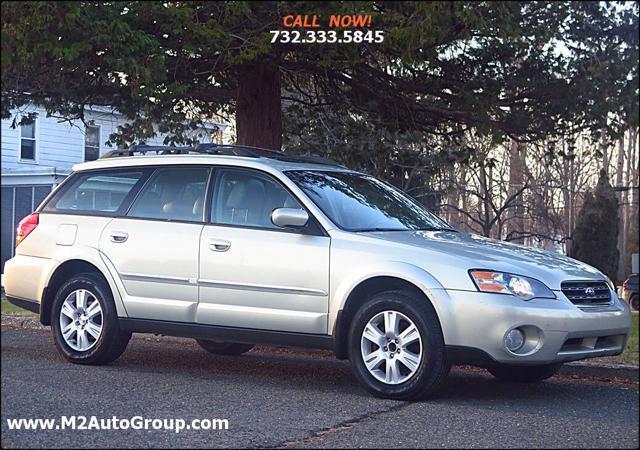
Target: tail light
(625, 284)
(26, 226)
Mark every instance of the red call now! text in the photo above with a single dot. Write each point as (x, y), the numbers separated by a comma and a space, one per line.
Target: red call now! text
(335, 21)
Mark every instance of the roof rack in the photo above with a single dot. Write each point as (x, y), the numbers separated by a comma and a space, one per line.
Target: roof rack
(144, 149)
(218, 149)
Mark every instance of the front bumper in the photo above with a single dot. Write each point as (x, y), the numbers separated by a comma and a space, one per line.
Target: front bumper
(555, 330)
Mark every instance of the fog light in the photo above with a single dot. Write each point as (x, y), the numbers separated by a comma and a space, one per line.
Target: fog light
(514, 340)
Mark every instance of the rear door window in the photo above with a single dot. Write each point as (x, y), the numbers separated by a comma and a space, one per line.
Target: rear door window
(174, 193)
(96, 192)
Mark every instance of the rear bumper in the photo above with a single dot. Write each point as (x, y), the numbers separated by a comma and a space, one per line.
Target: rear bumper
(25, 278)
(475, 324)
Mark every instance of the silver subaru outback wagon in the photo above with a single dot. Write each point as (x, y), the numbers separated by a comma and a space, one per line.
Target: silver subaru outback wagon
(236, 246)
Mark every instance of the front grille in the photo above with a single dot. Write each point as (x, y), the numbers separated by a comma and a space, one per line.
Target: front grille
(587, 294)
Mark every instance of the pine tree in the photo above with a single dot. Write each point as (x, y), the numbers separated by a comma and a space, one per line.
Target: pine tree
(596, 234)
(166, 66)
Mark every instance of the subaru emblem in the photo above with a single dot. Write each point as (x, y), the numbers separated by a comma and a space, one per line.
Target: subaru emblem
(590, 292)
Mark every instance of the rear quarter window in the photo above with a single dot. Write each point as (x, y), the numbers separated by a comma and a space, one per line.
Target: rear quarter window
(95, 192)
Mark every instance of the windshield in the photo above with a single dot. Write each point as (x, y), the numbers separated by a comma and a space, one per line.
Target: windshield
(357, 202)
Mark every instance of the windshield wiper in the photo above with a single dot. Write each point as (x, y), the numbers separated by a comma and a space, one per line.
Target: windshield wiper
(364, 230)
(438, 229)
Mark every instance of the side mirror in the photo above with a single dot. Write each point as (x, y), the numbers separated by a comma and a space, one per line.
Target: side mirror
(289, 217)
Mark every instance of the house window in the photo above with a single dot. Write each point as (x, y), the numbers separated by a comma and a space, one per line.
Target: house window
(28, 141)
(91, 143)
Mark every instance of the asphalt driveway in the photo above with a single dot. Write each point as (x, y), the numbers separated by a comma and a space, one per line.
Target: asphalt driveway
(277, 398)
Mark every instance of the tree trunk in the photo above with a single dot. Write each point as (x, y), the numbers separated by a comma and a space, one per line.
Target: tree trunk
(567, 175)
(605, 156)
(517, 166)
(464, 204)
(634, 163)
(258, 109)
(452, 198)
(484, 205)
(573, 204)
(622, 234)
(631, 199)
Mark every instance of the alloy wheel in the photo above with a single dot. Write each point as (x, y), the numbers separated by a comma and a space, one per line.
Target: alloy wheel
(391, 347)
(81, 320)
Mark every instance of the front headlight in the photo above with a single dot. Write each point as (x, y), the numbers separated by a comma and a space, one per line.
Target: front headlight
(508, 283)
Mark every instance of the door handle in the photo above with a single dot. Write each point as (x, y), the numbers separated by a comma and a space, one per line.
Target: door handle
(118, 236)
(219, 245)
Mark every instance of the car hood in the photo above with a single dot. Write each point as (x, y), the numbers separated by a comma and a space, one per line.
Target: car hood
(467, 251)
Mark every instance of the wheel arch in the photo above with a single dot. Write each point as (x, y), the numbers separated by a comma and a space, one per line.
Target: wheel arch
(65, 270)
(360, 293)
(633, 297)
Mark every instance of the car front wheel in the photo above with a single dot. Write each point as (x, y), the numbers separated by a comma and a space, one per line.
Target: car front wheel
(396, 346)
(84, 321)
(523, 374)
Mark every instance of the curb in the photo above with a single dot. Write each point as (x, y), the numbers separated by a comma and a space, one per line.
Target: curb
(20, 321)
(624, 372)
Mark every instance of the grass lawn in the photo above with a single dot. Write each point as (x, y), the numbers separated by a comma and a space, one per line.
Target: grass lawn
(8, 308)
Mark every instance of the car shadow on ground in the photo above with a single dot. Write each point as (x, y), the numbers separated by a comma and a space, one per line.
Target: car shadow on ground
(318, 370)
(313, 370)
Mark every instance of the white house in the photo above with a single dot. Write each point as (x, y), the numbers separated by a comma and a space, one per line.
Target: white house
(38, 156)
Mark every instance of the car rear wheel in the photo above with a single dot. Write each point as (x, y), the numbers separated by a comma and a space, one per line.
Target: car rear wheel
(84, 321)
(396, 346)
(224, 348)
(634, 303)
(523, 374)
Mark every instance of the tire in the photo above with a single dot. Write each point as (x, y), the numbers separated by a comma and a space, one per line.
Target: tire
(634, 303)
(430, 369)
(523, 374)
(110, 342)
(224, 348)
